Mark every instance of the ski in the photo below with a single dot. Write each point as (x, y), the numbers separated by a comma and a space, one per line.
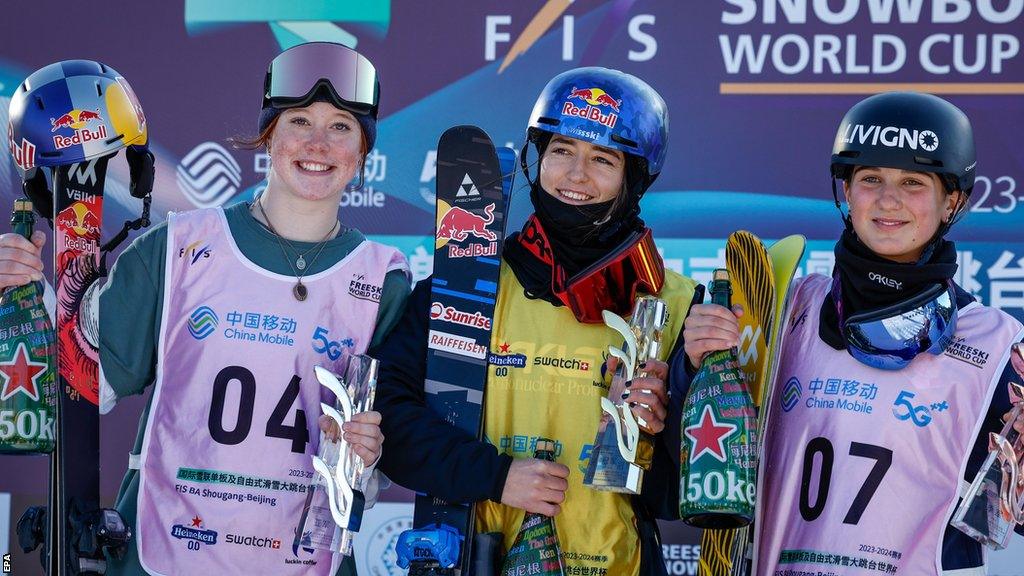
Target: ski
(474, 182)
(74, 466)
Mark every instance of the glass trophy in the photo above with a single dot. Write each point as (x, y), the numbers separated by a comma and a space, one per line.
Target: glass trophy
(622, 451)
(994, 504)
(334, 504)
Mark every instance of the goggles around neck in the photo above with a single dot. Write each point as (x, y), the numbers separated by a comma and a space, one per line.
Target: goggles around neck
(612, 283)
(297, 73)
(889, 338)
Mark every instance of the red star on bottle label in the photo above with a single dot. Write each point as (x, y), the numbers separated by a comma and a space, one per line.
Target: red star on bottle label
(21, 374)
(504, 347)
(709, 436)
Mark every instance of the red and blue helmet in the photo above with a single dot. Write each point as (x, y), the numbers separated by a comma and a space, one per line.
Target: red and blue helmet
(608, 108)
(73, 111)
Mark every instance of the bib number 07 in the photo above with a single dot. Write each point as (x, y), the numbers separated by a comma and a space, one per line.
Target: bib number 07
(823, 447)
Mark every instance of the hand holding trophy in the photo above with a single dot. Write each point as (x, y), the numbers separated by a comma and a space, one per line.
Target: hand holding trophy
(334, 504)
(994, 504)
(622, 450)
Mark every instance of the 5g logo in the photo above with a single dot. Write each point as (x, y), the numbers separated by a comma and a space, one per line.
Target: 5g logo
(333, 348)
(920, 415)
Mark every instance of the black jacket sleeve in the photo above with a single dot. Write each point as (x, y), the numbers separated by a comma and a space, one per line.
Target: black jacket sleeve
(421, 451)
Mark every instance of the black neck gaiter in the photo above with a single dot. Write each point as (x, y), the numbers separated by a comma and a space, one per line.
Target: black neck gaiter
(576, 240)
(869, 282)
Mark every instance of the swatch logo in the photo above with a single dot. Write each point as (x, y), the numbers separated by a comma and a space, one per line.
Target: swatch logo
(202, 322)
(791, 394)
(208, 176)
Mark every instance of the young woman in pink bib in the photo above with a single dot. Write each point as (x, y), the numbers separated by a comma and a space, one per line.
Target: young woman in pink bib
(225, 312)
(891, 374)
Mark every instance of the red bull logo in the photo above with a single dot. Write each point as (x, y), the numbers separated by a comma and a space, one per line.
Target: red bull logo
(596, 99)
(458, 224)
(80, 218)
(77, 120)
(24, 154)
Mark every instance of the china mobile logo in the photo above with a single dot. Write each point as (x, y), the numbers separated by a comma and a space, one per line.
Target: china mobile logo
(890, 136)
(202, 322)
(209, 175)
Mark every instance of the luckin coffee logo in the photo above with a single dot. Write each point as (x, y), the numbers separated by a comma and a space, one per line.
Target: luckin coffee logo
(885, 281)
(891, 136)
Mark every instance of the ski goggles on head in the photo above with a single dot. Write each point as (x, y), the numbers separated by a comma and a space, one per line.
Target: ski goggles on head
(889, 338)
(296, 74)
(613, 282)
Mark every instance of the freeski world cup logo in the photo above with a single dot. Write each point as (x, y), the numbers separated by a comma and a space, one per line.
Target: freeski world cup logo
(598, 106)
(202, 322)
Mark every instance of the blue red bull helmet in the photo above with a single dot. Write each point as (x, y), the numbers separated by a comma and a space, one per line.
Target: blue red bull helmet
(607, 108)
(73, 111)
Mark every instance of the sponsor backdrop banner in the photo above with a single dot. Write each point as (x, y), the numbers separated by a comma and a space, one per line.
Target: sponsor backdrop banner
(755, 90)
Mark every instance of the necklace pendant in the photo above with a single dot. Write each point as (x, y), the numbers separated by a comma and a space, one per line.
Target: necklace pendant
(300, 263)
(299, 290)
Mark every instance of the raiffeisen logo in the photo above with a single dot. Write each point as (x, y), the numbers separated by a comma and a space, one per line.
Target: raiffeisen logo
(890, 136)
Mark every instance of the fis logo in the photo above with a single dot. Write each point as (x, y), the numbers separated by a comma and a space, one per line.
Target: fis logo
(202, 322)
(194, 252)
(890, 137)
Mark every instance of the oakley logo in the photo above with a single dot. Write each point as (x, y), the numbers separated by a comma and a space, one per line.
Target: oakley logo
(890, 136)
(885, 281)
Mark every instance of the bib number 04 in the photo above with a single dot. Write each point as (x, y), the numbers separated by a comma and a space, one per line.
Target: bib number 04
(236, 432)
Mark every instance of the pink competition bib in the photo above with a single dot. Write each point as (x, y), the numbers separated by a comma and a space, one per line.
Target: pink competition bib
(863, 467)
(226, 459)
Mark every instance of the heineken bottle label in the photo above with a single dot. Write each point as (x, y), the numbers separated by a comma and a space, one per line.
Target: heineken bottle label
(535, 551)
(27, 392)
(719, 444)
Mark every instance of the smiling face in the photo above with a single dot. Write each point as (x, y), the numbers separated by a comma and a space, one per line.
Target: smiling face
(580, 173)
(896, 212)
(315, 150)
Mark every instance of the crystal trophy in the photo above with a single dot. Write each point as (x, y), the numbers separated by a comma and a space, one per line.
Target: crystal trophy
(622, 450)
(994, 504)
(333, 510)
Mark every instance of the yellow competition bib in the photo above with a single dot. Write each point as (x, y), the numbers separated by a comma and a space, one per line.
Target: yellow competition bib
(545, 381)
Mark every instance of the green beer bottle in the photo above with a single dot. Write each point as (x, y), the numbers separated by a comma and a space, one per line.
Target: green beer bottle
(535, 550)
(27, 367)
(719, 438)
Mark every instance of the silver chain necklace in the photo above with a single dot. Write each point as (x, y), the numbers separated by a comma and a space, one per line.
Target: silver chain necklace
(299, 290)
